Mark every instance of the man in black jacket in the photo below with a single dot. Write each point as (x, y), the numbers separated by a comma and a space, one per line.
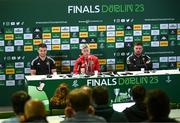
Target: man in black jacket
(137, 60)
(100, 97)
(42, 64)
(137, 112)
(158, 107)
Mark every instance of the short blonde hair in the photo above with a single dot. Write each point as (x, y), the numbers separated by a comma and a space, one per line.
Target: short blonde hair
(83, 46)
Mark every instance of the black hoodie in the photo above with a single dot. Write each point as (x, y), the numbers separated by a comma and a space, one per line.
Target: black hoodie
(136, 113)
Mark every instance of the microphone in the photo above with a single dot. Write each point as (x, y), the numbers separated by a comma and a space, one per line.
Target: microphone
(49, 70)
(48, 64)
(86, 64)
(90, 63)
(79, 66)
(146, 68)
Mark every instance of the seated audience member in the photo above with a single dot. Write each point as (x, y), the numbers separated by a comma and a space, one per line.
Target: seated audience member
(88, 91)
(35, 111)
(137, 112)
(18, 100)
(158, 107)
(79, 101)
(60, 95)
(86, 63)
(138, 60)
(100, 97)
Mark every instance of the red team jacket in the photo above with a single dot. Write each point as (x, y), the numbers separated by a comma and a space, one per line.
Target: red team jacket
(90, 64)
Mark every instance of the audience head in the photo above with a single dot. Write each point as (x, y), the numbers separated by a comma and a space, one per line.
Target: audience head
(138, 93)
(62, 90)
(79, 100)
(157, 104)
(100, 95)
(87, 90)
(138, 48)
(19, 99)
(34, 108)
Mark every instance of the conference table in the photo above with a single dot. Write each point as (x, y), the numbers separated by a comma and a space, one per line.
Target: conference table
(119, 84)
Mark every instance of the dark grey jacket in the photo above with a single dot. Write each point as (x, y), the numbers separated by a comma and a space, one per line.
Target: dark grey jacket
(84, 117)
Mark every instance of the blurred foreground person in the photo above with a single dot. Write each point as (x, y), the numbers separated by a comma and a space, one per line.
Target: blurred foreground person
(137, 112)
(35, 112)
(18, 100)
(100, 96)
(60, 95)
(79, 104)
(158, 107)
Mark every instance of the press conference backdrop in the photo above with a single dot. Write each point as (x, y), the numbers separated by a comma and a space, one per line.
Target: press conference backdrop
(110, 27)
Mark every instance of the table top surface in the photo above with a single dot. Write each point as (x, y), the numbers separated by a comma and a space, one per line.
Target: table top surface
(102, 75)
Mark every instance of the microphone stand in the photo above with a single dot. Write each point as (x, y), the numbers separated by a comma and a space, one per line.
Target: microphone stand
(146, 68)
(90, 64)
(79, 67)
(86, 65)
(49, 70)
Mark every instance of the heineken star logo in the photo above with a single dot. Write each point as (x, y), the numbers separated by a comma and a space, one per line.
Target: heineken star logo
(75, 84)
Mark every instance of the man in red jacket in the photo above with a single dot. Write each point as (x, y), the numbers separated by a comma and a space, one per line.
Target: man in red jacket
(86, 63)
